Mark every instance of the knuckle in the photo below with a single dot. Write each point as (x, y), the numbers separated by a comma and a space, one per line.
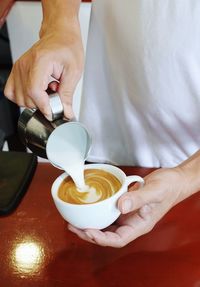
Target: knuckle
(19, 101)
(159, 196)
(139, 199)
(67, 99)
(29, 104)
(8, 93)
(32, 92)
(9, 90)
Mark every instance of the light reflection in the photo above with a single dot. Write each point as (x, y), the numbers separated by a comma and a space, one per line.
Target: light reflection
(28, 257)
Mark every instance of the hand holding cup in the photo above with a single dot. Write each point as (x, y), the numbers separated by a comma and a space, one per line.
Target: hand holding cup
(100, 213)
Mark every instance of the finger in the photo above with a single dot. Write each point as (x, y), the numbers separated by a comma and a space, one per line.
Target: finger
(112, 228)
(29, 103)
(80, 233)
(66, 90)
(145, 210)
(135, 199)
(18, 88)
(135, 226)
(19, 92)
(54, 86)
(14, 89)
(116, 239)
(37, 85)
(10, 87)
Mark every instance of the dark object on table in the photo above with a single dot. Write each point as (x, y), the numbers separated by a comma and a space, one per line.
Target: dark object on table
(9, 111)
(16, 172)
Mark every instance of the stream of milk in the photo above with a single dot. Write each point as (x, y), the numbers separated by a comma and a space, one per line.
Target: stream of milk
(71, 160)
(64, 150)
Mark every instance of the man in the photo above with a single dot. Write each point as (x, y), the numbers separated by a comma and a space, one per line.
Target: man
(141, 96)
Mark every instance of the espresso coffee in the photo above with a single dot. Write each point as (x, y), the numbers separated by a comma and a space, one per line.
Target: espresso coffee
(100, 185)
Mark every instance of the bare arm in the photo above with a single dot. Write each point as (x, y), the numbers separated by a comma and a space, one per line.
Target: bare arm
(142, 208)
(58, 13)
(190, 170)
(58, 54)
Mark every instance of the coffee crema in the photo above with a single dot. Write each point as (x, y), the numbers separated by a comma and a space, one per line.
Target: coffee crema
(100, 186)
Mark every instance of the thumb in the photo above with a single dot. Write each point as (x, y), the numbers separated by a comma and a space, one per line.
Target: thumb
(137, 198)
(66, 90)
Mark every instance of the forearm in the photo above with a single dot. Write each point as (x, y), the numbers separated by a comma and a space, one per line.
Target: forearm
(190, 170)
(59, 13)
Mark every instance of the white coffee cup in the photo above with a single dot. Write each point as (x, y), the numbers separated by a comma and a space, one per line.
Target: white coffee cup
(94, 215)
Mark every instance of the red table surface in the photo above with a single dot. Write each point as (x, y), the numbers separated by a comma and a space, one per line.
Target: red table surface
(38, 250)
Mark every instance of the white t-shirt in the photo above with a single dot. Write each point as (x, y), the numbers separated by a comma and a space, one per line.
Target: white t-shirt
(141, 94)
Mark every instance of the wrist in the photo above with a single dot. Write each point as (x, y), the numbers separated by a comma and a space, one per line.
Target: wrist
(190, 176)
(59, 26)
(59, 15)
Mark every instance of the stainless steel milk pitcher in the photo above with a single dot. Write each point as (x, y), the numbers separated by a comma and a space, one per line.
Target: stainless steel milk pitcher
(34, 129)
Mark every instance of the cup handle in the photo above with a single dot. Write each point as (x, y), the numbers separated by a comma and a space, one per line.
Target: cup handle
(134, 178)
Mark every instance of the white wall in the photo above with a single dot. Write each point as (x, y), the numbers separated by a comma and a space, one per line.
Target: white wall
(24, 22)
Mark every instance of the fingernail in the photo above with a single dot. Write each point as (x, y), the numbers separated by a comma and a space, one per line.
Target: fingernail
(127, 206)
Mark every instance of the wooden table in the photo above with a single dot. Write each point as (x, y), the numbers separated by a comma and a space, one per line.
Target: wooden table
(38, 250)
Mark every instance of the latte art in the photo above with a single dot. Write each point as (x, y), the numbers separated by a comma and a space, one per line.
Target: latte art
(100, 185)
